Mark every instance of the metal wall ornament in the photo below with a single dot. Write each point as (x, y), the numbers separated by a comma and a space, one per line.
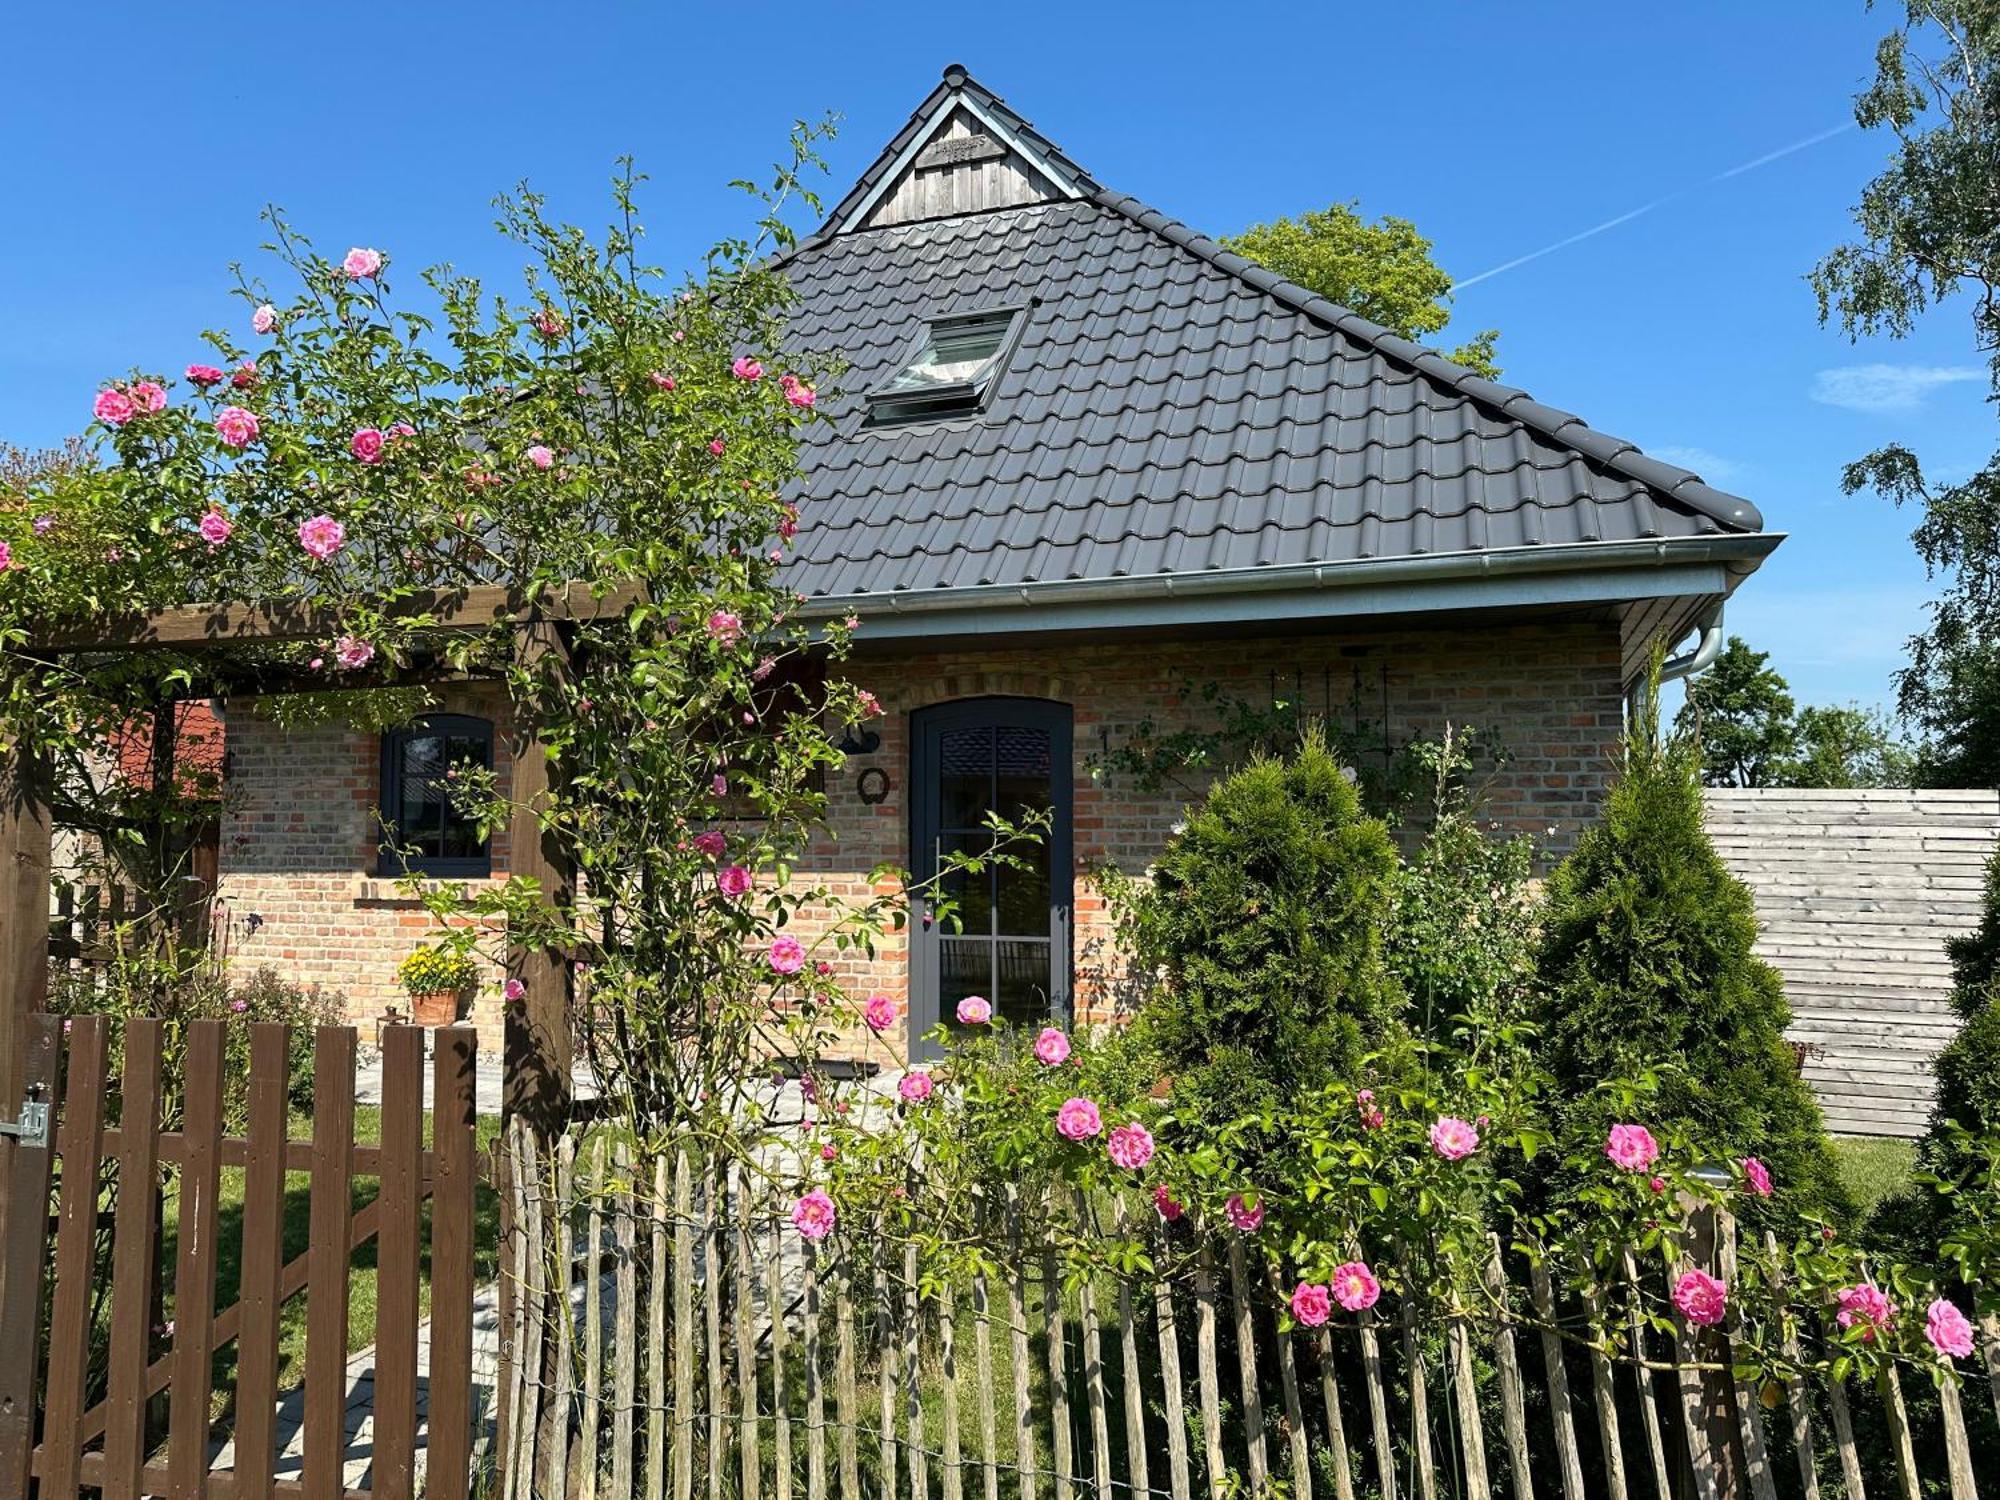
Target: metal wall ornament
(873, 785)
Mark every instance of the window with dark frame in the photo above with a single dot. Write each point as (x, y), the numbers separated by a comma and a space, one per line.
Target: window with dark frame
(951, 370)
(425, 832)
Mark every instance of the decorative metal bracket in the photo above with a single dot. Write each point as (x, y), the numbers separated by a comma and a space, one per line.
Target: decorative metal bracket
(32, 1129)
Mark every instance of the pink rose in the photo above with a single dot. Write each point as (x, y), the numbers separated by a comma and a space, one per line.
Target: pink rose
(360, 264)
(1242, 1215)
(1454, 1139)
(1130, 1146)
(236, 427)
(725, 626)
(870, 705)
(1866, 1307)
(813, 1215)
(513, 989)
(915, 1087)
(1701, 1298)
(366, 445)
(718, 785)
(239, 1006)
(788, 955)
(214, 527)
(1311, 1305)
(1631, 1148)
(548, 323)
(1166, 1205)
(1078, 1120)
(746, 368)
(879, 1012)
(1757, 1176)
(663, 381)
(264, 319)
(203, 375)
(974, 1010)
(1656, 1184)
(6, 557)
(715, 446)
(352, 653)
(245, 375)
(401, 430)
(1052, 1047)
(797, 392)
(149, 395)
(113, 408)
(322, 536)
(827, 1152)
(541, 456)
(711, 842)
(732, 880)
(1947, 1329)
(1355, 1287)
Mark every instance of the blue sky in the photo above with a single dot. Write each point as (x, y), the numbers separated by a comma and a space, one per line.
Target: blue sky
(144, 139)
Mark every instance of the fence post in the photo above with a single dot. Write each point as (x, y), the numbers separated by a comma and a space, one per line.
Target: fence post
(23, 1251)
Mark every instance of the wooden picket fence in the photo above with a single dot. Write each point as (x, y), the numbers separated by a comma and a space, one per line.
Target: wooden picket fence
(107, 1365)
(670, 1333)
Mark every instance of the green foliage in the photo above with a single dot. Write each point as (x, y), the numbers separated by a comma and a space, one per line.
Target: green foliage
(1848, 746)
(1383, 271)
(1928, 232)
(1263, 925)
(1752, 735)
(1646, 962)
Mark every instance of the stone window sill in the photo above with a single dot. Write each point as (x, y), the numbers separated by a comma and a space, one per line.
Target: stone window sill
(375, 890)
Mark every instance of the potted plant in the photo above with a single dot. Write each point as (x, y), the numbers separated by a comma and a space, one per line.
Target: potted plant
(437, 979)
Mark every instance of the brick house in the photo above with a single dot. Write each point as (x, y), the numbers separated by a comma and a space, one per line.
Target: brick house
(1082, 458)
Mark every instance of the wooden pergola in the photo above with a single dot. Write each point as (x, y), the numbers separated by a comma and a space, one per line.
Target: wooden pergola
(537, 1054)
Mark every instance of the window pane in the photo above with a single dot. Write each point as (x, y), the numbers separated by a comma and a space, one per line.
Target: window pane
(1023, 760)
(965, 769)
(971, 893)
(965, 967)
(1024, 893)
(1022, 993)
(427, 824)
(954, 354)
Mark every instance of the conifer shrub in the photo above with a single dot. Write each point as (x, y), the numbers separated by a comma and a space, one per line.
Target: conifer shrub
(1646, 962)
(1261, 933)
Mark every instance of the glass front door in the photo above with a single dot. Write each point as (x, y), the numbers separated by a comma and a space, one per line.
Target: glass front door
(1006, 932)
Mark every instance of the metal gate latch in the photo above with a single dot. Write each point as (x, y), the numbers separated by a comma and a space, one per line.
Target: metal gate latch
(32, 1129)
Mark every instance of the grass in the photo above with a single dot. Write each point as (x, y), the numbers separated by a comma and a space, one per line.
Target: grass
(1874, 1167)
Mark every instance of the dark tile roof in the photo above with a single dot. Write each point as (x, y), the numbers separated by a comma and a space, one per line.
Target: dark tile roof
(1171, 408)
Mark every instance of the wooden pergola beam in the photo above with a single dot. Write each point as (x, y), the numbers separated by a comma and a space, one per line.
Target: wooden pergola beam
(196, 627)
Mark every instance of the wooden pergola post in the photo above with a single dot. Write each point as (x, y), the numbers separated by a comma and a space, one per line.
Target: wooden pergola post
(25, 856)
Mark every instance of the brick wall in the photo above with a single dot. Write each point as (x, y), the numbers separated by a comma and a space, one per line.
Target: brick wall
(299, 836)
(300, 842)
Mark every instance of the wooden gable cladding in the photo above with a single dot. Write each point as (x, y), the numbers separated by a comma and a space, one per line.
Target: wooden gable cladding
(964, 169)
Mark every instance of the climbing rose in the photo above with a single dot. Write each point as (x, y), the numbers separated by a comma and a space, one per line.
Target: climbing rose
(1947, 1329)
(6, 557)
(245, 375)
(214, 527)
(1130, 1146)
(879, 1011)
(1052, 1047)
(1864, 1304)
(828, 1152)
(746, 368)
(1454, 1139)
(236, 427)
(1078, 1120)
(366, 445)
(352, 653)
(541, 456)
(788, 955)
(726, 626)
(715, 446)
(322, 536)
(360, 263)
(718, 784)
(1355, 1287)
(663, 381)
(548, 323)
(732, 880)
(813, 1215)
(711, 842)
(797, 392)
(1242, 1215)
(915, 1087)
(1631, 1148)
(203, 374)
(149, 395)
(1311, 1306)
(870, 705)
(113, 408)
(514, 989)
(974, 1010)
(1758, 1176)
(1701, 1298)
(264, 319)
(1166, 1204)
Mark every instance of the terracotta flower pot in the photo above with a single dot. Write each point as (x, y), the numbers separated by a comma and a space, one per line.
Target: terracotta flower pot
(434, 1007)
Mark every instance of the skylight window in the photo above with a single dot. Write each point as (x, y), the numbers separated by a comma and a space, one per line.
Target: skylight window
(952, 370)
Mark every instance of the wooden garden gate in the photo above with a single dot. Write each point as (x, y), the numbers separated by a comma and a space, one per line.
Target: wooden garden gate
(120, 1400)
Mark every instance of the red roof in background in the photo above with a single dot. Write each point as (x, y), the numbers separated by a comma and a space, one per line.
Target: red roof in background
(198, 751)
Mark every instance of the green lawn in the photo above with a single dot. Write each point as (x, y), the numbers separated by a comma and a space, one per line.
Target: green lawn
(1873, 1167)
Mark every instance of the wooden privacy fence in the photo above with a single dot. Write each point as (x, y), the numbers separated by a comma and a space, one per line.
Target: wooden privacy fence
(671, 1333)
(110, 1347)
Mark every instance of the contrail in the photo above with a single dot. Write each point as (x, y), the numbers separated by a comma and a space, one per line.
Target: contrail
(1645, 208)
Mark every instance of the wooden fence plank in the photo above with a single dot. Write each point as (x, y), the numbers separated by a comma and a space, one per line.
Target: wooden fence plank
(560, 1252)
(847, 1397)
(1694, 1407)
(1843, 1440)
(195, 1266)
(982, 1357)
(398, 1265)
(1017, 1330)
(134, 1272)
(454, 1184)
(781, 1403)
(1378, 1406)
(711, 1251)
(658, 1357)
(1170, 1375)
(815, 1381)
(1471, 1440)
(1958, 1452)
(263, 1258)
(1507, 1364)
(750, 1461)
(1605, 1396)
(1060, 1431)
(532, 1166)
(1989, 1325)
(1645, 1384)
(598, 1174)
(24, 1247)
(1749, 1411)
(1093, 1373)
(1796, 1398)
(685, 1334)
(1569, 1461)
(1890, 1387)
(911, 1306)
(78, 1143)
(1246, 1370)
(515, 1399)
(331, 1210)
(947, 1316)
(885, 1368)
(1336, 1423)
(1420, 1419)
(1138, 1471)
(1295, 1411)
